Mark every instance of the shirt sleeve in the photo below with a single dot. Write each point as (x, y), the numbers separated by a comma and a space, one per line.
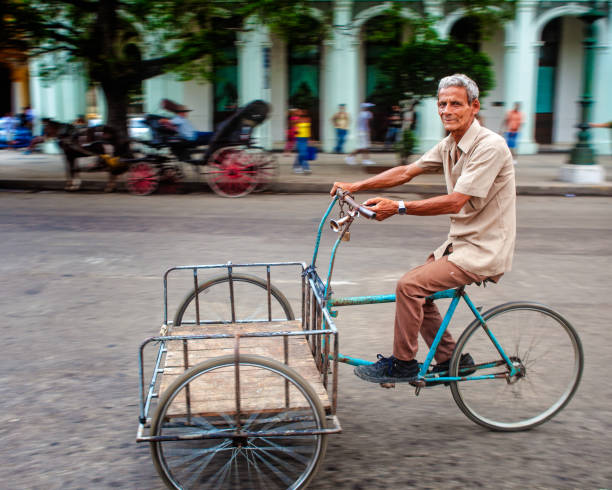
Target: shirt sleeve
(431, 161)
(482, 168)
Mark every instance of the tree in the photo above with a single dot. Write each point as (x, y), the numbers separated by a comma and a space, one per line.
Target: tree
(412, 71)
(121, 43)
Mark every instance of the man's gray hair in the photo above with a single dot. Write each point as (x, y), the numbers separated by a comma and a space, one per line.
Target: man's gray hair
(460, 80)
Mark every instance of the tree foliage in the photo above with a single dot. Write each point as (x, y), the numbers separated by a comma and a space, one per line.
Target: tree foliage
(123, 42)
(413, 70)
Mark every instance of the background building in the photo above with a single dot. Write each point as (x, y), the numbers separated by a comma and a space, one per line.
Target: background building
(537, 60)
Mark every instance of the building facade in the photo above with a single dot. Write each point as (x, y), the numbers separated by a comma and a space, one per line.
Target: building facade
(537, 60)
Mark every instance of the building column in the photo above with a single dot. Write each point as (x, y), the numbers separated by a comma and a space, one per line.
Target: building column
(341, 76)
(279, 90)
(165, 86)
(601, 142)
(62, 99)
(429, 129)
(254, 74)
(521, 60)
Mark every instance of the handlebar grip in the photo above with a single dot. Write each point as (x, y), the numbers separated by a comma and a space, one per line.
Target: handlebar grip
(362, 210)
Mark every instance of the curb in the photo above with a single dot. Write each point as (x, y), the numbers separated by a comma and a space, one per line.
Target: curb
(542, 189)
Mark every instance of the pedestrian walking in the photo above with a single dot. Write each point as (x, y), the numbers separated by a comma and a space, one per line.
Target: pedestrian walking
(300, 166)
(293, 119)
(394, 127)
(341, 122)
(363, 137)
(511, 125)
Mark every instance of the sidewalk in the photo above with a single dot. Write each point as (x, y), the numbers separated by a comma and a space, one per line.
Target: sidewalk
(535, 175)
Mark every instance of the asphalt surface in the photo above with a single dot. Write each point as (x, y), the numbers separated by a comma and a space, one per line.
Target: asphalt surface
(82, 287)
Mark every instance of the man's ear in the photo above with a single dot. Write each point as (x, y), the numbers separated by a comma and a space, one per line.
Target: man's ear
(476, 105)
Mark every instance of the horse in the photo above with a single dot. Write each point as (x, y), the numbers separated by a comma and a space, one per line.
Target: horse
(76, 142)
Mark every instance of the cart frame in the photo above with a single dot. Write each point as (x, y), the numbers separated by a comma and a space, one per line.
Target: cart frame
(317, 326)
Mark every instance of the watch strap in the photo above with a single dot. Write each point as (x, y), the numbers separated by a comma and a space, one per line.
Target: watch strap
(401, 207)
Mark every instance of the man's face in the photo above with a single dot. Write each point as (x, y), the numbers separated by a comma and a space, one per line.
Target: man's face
(455, 111)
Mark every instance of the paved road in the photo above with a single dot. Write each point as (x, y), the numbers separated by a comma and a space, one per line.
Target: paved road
(82, 287)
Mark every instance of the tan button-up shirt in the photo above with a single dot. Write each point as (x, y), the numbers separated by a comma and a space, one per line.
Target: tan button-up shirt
(483, 232)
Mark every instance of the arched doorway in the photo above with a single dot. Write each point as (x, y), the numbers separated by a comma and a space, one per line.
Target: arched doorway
(5, 89)
(467, 31)
(548, 61)
(560, 76)
(303, 62)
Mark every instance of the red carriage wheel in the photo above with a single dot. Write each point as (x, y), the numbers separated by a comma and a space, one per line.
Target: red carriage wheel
(142, 178)
(231, 172)
(267, 170)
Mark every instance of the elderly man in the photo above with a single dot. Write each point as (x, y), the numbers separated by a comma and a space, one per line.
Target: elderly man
(481, 202)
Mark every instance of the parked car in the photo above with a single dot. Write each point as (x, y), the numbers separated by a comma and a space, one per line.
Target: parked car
(137, 129)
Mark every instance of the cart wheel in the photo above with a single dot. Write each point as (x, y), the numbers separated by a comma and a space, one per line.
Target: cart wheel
(267, 170)
(142, 178)
(274, 399)
(250, 302)
(231, 173)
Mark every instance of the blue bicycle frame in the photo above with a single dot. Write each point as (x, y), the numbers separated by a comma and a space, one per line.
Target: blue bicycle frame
(454, 294)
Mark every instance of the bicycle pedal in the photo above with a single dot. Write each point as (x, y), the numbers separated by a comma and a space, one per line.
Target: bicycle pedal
(387, 385)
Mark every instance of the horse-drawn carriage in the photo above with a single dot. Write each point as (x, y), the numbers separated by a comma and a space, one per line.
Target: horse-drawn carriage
(231, 164)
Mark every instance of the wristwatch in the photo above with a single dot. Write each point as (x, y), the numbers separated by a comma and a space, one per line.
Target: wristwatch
(401, 207)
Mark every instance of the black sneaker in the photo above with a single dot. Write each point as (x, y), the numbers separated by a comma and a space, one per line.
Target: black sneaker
(465, 362)
(389, 370)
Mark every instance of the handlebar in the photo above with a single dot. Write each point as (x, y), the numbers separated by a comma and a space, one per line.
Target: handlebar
(346, 197)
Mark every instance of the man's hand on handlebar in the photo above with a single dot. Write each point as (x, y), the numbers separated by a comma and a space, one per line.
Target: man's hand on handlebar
(383, 207)
(347, 186)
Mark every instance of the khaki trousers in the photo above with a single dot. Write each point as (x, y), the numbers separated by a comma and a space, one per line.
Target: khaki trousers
(413, 314)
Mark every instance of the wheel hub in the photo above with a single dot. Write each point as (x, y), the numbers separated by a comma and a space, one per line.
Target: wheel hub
(521, 371)
(239, 442)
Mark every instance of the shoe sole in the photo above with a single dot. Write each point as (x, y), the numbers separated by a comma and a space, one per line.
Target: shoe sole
(372, 379)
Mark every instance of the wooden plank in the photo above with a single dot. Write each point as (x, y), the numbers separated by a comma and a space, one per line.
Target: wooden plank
(261, 390)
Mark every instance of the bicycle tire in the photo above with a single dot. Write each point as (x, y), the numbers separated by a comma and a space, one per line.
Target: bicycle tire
(224, 316)
(537, 339)
(254, 462)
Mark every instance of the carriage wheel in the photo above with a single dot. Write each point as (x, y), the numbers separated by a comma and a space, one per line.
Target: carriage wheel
(267, 171)
(231, 173)
(250, 302)
(199, 417)
(143, 178)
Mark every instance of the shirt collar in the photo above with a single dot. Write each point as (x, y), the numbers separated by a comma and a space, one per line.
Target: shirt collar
(468, 139)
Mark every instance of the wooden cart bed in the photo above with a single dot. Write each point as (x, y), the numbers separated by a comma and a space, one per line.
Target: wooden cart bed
(262, 391)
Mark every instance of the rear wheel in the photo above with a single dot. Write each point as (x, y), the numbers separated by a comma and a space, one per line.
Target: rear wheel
(231, 172)
(142, 178)
(545, 350)
(274, 400)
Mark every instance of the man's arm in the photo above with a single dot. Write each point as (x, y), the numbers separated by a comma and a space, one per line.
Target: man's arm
(446, 204)
(389, 178)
